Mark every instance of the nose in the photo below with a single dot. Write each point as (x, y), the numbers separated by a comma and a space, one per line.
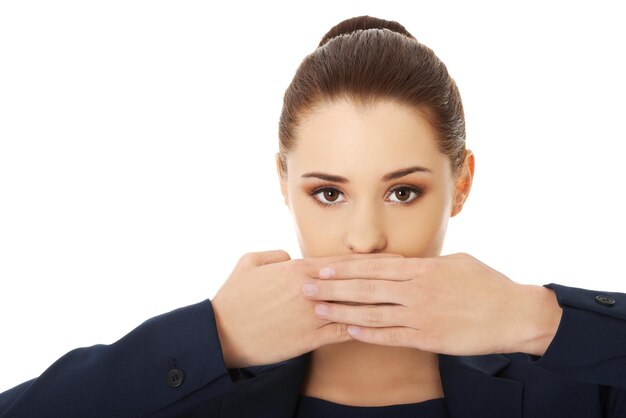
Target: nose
(365, 232)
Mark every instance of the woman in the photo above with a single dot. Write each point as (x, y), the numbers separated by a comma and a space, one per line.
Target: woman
(372, 164)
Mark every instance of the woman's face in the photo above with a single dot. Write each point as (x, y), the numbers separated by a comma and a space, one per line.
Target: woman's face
(371, 180)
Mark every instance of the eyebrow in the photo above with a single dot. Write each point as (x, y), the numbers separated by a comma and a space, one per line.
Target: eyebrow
(387, 177)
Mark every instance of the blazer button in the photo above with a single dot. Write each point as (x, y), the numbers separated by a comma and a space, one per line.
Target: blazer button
(605, 301)
(175, 378)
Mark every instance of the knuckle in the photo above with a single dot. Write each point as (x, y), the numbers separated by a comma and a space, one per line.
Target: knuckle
(298, 264)
(283, 254)
(374, 316)
(430, 265)
(368, 287)
(327, 288)
(248, 257)
(426, 267)
(342, 331)
(395, 336)
(412, 294)
(305, 267)
(463, 257)
(427, 323)
(345, 258)
(428, 341)
(375, 268)
(421, 298)
(301, 268)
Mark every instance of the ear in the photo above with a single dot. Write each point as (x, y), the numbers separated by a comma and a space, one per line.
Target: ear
(282, 177)
(463, 183)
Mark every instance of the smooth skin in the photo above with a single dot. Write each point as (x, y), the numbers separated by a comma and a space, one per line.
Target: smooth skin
(470, 309)
(261, 315)
(363, 183)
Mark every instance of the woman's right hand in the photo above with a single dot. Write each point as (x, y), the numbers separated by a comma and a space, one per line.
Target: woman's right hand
(261, 314)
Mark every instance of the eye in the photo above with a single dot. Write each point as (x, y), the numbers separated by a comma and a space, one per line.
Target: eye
(404, 194)
(328, 196)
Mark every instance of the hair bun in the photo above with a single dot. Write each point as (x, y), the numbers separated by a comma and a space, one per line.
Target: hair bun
(363, 23)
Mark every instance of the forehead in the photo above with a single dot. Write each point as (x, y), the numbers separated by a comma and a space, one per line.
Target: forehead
(346, 139)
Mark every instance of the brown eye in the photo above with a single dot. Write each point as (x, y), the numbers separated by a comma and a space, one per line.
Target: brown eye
(404, 194)
(328, 196)
(331, 195)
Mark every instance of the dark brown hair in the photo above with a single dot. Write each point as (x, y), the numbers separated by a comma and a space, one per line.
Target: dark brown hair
(365, 59)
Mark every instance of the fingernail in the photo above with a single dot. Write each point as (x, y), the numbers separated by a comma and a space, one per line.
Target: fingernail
(352, 330)
(322, 310)
(309, 289)
(327, 273)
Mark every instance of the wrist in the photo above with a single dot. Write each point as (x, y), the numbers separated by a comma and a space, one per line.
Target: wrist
(223, 337)
(542, 316)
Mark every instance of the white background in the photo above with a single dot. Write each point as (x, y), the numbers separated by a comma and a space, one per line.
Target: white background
(137, 142)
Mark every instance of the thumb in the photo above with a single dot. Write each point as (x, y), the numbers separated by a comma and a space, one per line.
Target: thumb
(265, 257)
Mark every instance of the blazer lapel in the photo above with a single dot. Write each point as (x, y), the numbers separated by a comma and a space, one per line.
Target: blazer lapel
(273, 393)
(472, 390)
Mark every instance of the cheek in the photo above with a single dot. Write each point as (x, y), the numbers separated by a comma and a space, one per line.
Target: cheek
(423, 235)
(319, 230)
(419, 232)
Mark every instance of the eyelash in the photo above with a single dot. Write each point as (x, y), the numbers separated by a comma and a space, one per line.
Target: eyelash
(417, 190)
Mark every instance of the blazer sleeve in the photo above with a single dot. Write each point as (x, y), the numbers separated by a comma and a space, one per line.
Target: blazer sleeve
(590, 342)
(168, 364)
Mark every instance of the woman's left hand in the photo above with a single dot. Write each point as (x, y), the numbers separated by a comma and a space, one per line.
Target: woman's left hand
(451, 304)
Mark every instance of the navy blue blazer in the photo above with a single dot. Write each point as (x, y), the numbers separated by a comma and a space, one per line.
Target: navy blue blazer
(172, 366)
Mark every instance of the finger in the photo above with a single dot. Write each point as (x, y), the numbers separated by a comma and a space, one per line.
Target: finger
(265, 257)
(331, 333)
(390, 336)
(357, 290)
(348, 257)
(366, 315)
(388, 268)
(313, 265)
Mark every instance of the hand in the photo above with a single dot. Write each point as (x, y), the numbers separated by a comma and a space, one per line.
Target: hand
(450, 305)
(260, 313)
